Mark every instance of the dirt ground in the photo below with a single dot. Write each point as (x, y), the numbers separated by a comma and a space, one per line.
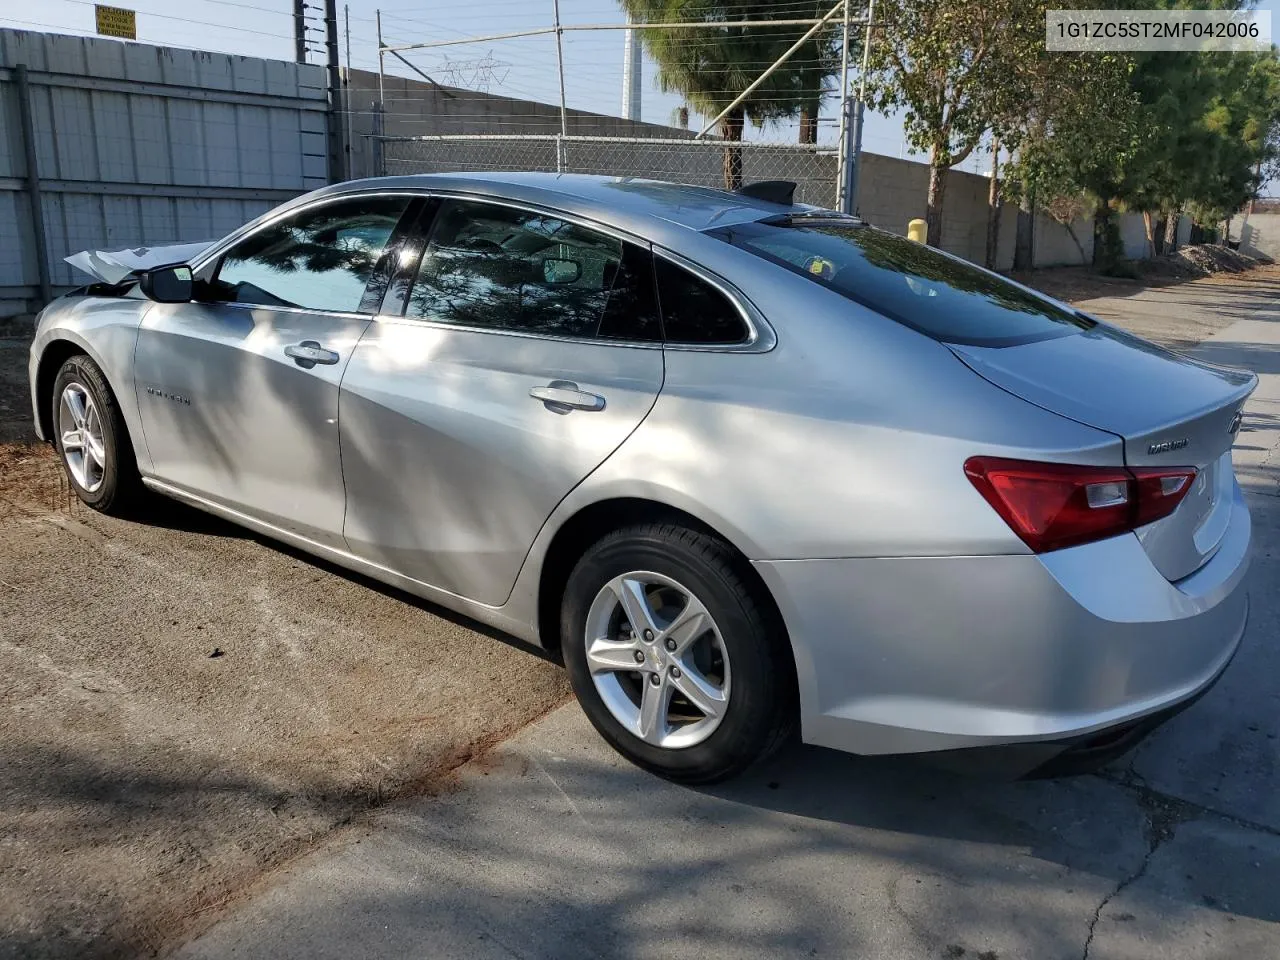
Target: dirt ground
(1074, 284)
(184, 706)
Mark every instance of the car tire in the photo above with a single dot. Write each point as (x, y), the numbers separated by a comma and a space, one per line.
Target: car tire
(742, 656)
(92, 440)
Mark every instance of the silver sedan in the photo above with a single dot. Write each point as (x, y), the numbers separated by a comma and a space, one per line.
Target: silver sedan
(746, 465)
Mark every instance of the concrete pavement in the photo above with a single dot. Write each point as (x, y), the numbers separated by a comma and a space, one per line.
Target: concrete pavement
(551, 846)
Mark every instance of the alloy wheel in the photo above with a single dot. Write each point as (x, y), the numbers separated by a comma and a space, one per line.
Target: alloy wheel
(657, 659)
(80, 430)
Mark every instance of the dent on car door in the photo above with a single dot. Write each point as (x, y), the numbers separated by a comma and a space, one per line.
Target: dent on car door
(528, 350)
(239, 390)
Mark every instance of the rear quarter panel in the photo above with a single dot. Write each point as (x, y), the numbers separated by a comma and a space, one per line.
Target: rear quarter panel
(848, 438)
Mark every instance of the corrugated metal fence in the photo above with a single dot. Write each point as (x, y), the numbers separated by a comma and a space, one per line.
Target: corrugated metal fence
(137, 144)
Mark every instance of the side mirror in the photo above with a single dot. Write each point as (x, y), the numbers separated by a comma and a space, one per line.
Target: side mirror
(170, 284)
(555, 271)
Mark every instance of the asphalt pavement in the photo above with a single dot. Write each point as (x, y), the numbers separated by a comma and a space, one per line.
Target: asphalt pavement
(551, 846)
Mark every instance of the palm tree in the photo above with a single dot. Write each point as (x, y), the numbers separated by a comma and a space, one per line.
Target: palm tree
(710, 67)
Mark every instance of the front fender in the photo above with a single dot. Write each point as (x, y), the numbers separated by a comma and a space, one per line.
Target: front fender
(104, 329)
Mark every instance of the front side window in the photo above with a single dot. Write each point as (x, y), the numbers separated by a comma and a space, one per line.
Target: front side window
(940, 296)
(320, 259)
(501, 268)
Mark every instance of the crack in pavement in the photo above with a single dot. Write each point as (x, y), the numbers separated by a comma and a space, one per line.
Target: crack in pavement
(1132, 781)
(1163, 815)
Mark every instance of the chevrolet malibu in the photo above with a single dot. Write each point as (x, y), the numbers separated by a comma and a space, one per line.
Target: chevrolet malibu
(744, 464)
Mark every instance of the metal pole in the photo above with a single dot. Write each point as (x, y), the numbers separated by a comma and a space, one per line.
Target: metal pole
(299, 31)
(851, 175)
(772, 67)
(381, 57)
(33, 183)
(346, 91)
(631, 64)
(335, 89)
(419, 71)
(842, 154)
(564, 113)
(380, 108)
(573, 27)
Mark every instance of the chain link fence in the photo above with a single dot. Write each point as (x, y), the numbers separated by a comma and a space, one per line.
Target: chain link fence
(708, 163)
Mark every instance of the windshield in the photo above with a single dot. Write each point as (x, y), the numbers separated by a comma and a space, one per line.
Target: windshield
(945, 298)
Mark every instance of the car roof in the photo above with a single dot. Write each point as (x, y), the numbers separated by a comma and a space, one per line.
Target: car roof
(650, 208)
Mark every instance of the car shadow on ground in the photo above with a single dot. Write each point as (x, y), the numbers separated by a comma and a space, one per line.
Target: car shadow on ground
(405, 596)
(169, 514)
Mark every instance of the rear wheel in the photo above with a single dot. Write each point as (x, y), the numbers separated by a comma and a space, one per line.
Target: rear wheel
(675, 659)
(91, 438)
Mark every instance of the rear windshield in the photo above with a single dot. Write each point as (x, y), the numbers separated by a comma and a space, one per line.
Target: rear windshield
(916, 285)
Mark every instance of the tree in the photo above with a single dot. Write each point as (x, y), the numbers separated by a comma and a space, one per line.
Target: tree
(1154, 133)
(1078, 140)
(1066, 209)
(957, 71)
(710, 67)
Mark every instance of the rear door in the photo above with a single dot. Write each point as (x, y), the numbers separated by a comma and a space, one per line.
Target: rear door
(239, 392)
(508, 364)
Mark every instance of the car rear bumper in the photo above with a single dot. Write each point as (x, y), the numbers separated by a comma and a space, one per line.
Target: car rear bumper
(923, 654)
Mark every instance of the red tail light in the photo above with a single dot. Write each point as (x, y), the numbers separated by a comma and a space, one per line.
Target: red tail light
(1056, 505)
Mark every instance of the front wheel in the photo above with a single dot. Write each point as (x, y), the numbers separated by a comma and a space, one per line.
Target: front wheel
(91, 438)
(676, 660)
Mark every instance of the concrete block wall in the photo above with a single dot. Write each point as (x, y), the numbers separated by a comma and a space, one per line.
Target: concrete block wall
(1055, 246)
(892, 192)
(1260, 235)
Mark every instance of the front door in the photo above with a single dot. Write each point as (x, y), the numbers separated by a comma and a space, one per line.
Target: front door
(239, 392)
(528, 352)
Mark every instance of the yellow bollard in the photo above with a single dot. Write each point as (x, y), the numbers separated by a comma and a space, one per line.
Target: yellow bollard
(917, 230)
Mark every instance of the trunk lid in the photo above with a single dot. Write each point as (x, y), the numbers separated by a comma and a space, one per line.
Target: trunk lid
(113, 266)
(1170, 410)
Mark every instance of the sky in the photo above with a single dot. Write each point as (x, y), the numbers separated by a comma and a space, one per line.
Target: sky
(523, 67)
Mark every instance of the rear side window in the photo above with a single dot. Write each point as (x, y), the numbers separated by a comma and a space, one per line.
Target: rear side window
(915, 285)
(694, 311)
(320, 259)
(498, 267)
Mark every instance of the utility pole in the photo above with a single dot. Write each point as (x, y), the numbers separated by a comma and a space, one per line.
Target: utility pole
(631, 65)
(346, 92)
(564, 112)
(336, 166)
(853, 129)
(379, 109)
(842, 155)
(299, 31)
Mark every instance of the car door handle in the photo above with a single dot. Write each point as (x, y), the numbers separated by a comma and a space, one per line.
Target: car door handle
(308, 353)
(564, 395)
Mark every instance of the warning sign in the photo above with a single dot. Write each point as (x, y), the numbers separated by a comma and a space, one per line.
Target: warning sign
(116, 22)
